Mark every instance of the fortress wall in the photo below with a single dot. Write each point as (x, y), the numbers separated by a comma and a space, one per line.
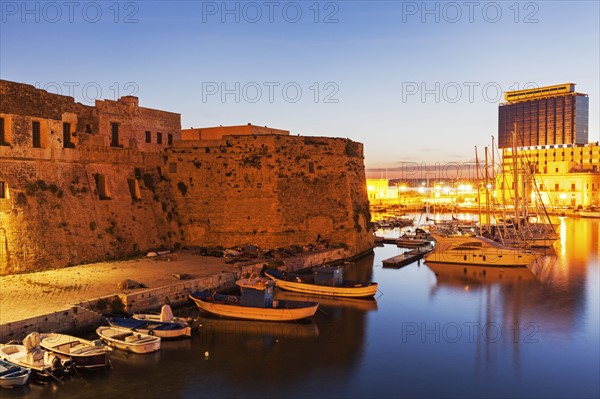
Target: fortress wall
(272, 191)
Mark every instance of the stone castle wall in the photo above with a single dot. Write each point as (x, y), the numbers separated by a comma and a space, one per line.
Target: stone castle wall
(92, 202)
(271, 191)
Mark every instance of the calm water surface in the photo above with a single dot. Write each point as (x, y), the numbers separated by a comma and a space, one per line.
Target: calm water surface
(439, 331)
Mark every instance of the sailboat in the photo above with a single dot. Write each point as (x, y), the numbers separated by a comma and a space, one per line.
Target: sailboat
(525, 228)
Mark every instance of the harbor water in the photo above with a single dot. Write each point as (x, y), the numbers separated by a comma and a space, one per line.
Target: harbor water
(433, 331)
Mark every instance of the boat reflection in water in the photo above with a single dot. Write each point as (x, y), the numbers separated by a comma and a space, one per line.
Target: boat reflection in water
(295, 330)
(362, 304)
(467, 276)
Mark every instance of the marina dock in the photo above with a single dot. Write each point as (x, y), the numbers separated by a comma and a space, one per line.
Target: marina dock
(385, 240)
(408, 257)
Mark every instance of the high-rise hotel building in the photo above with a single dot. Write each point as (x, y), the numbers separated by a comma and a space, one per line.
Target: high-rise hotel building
(551, 141)
(543, 116)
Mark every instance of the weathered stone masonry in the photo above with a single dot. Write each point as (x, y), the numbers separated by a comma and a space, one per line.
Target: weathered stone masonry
(271, 191)
(98, 185)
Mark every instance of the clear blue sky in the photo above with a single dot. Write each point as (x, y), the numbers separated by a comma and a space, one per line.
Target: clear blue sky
(413, 81)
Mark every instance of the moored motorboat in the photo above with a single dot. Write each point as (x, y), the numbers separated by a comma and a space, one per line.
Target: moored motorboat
(12, 375)
(476, 250)
(30, 355)
(165, 316)
(127, 340)
(85, 354)
(157, 328)
(255, 303)
(590, 212)
(327, 281)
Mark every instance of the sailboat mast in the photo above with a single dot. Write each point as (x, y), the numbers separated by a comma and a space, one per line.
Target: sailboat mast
(515, 174)
(478, 194)
(487, 193)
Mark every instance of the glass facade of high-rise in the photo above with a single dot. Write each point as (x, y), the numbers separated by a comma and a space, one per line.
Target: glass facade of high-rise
(544, 116)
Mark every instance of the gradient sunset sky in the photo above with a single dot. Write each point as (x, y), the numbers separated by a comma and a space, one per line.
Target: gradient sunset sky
(413, 81)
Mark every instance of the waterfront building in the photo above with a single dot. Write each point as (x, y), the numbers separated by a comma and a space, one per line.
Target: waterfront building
(378, 189)
(554, 161)
(564, 175)
(543, 116)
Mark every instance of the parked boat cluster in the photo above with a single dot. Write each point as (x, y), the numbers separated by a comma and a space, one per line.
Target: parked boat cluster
(52, 356)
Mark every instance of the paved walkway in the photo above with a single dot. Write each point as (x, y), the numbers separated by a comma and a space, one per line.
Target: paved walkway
(27, 295)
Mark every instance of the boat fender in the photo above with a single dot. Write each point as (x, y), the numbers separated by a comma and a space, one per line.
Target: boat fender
(151, 332)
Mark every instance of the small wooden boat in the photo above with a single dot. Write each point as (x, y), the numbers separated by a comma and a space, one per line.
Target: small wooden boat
(165, 316)
(157, 328)
(85, 354)
(30, 355)
(255, 303)
(324, 281)
(12, 375)
(127, 340)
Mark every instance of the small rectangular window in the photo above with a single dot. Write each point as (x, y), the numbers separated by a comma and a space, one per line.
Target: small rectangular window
(169, 139)
(159, 138)
(114, 134)
(572, 186)
(102, 187)
(556, 187)
(35, 134)
(173, 167)
(3, 138)
(134, 189)
(148, 137)
(3, 190)
(67, 136)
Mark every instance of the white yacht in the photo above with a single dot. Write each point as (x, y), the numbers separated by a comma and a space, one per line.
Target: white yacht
(470, 250)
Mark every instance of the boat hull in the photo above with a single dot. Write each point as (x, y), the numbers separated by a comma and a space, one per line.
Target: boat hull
(447, 250)
(158, 329)
(412, 243)
(313, 289)
(280, 313)
(156, 318)
(85, 354)
(12, 375)
(480, 260)
(145, 343)
(589, 214)
(43, 368)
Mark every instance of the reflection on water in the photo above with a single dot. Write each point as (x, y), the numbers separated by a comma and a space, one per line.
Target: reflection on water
(434, 331)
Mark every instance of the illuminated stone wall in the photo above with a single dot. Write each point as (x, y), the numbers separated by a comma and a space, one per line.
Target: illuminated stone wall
(65, 205)
(271, 191)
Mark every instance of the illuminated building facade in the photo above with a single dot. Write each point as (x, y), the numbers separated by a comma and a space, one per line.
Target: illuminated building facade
(543, 116)
(565, 175)
(379, 189)
(551, 143)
